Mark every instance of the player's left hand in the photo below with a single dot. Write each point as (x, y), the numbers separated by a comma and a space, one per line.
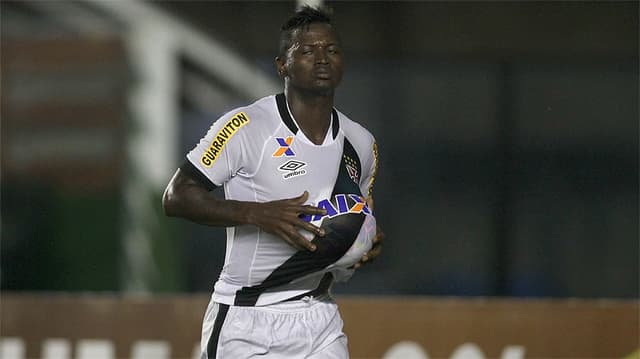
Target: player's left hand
(376, 247)
(375, 250)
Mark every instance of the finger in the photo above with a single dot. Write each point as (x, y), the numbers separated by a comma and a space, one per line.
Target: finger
(379, 237)
(300, 241)
(289, 241)
(375, 246)
(311, 210)
(295, 200)
(370, 203)
(373, 253)
(292, 238)
(302, 198)
(311, 228)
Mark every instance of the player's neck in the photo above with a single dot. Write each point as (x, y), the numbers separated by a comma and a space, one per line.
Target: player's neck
(312, 113)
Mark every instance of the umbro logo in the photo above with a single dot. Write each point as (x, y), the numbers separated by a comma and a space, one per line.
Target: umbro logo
(293, 168)
(292, 165)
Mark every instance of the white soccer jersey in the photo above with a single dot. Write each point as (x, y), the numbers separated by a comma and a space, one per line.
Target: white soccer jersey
(258, 154)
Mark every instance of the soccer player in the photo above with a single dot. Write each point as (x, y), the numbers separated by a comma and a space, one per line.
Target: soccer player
(297, 176)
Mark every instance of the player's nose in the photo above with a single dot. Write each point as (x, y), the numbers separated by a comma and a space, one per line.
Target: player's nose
(321, 57)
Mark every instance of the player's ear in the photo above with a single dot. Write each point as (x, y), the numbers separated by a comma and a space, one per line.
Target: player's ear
(280, 66)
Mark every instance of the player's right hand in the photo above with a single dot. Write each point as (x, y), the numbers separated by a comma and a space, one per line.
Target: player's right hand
(283, 219)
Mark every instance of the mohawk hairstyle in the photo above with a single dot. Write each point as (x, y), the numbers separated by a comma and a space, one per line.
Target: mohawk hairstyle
(302, 18)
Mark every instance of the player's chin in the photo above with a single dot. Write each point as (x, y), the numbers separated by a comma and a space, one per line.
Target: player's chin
(325, 85)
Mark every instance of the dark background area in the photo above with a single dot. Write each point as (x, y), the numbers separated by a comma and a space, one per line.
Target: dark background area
(508, 135)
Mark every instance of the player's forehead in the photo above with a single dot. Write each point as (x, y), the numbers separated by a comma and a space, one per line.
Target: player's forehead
(318, 34)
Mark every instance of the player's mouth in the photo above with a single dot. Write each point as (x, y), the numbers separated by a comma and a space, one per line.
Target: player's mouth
(322, 74)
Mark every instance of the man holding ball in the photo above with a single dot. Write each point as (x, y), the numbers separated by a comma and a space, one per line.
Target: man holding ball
(298, 178)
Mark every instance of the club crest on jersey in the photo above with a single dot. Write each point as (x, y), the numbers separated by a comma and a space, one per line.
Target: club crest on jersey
(220, 139)
(285, 149)
(341, 206)
(352, 169)
(292, 169)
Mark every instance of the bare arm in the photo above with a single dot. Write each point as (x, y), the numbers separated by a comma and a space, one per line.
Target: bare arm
(186, 198)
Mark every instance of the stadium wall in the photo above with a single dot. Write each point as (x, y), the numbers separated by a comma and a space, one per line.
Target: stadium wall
(112, 326)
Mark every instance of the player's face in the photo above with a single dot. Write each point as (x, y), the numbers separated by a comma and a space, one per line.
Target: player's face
(313, 63)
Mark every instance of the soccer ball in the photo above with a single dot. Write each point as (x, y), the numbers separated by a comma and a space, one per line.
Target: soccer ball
(362, 244)
(349, 229)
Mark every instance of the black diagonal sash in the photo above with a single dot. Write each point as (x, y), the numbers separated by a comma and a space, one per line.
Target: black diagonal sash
(340, 233)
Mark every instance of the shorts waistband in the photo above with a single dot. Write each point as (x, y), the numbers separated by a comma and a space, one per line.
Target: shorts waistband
(320, 292)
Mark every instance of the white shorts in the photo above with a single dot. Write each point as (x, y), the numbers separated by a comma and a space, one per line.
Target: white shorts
(307, 328)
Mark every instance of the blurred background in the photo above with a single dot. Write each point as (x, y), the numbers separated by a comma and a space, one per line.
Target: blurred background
(508, 135)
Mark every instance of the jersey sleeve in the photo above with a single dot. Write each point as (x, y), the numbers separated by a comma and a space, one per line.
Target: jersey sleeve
(369, 170)
(220, 154)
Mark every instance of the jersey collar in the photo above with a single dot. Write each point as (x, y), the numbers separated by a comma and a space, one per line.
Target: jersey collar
(283, 109)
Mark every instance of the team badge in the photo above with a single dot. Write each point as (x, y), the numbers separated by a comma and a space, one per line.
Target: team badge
(293, 168)
(285, 147)
(352, 168)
